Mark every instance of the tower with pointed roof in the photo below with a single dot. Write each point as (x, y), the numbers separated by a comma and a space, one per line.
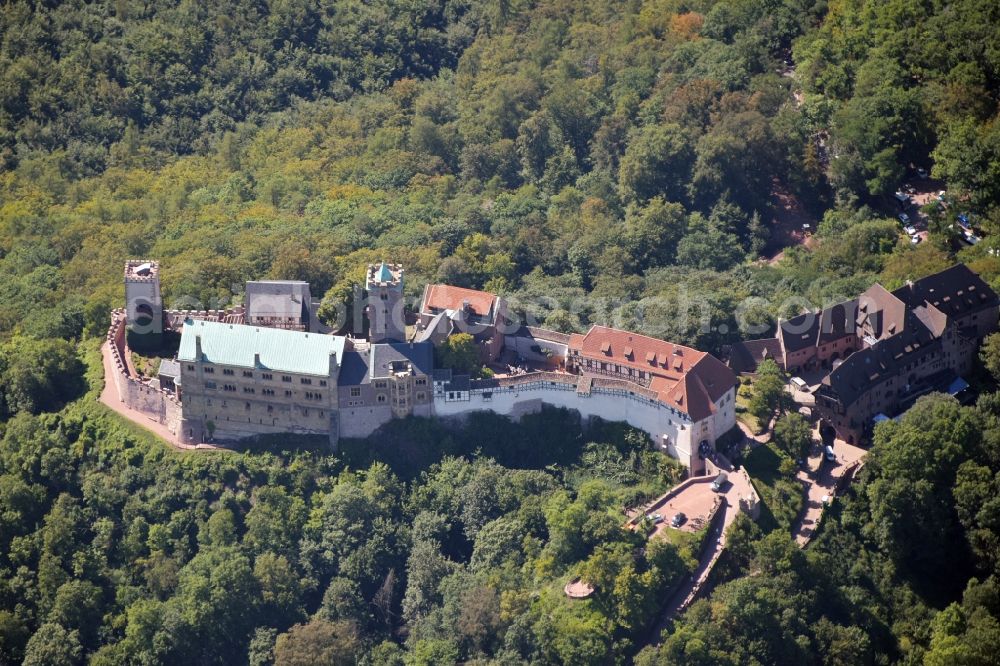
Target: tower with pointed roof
(384, 309)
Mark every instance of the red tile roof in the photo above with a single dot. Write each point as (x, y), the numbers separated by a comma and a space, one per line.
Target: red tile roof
(446, 297)
(686, 379)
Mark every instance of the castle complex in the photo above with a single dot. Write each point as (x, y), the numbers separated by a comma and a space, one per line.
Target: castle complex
(264, 368)
(268, 367)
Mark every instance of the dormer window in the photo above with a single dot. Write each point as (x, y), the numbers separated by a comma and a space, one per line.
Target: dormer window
(606, 347)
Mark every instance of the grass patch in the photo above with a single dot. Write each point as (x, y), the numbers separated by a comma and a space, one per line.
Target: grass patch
(742, 401)
(781, 497)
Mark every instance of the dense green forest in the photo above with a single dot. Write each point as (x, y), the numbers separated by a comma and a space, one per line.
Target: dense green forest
(601, 161)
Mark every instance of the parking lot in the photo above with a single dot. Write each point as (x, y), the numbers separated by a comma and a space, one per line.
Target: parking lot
(695, 499)
(919, 191)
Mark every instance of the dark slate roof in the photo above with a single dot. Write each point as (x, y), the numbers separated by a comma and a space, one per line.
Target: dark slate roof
(354, 369)
(746, 356)
(864, 369)
(169, 368)
(459, 383)
(799, 332)
(838, 321)
(441, 374)
(886, 313)
(419, 354)
(278, 298)
(956, 291)
(482, 384)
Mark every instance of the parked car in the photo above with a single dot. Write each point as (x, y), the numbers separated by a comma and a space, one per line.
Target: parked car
(829, 454)
(922, 172)
(678, 520)
(904, 218)
(963, 220)
(910, 229)
(914, 240)
(970, 237)
(902, 197)
(720, 482)
(657, 518)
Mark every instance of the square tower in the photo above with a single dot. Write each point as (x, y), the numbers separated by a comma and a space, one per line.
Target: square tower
(143, 303)
(384, 309)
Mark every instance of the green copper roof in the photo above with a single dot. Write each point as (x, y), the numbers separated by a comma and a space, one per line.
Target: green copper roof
(279, 350)
(384, 274)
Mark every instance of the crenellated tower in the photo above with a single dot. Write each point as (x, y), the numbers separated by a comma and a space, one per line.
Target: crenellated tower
(143, 303)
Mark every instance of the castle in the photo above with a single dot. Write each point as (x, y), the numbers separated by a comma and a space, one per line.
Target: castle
(266, 368)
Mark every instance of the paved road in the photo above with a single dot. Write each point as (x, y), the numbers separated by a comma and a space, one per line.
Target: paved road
(823, 484)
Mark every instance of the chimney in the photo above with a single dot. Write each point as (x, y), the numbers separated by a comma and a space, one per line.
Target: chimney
(256, 360)
(333, 363)
(197, 347)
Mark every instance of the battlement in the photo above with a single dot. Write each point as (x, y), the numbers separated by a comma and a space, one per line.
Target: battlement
(141, 270)
(384, 275)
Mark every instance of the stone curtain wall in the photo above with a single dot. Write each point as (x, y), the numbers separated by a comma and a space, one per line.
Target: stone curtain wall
(157, 405)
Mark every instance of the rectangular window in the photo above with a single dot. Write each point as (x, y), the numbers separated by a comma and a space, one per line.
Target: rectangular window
(422, 381)
(190, 367)
(355, 391)
(267, 375)
(322, 382)
(286, 378)
(210, 370)
(288, 394)
(306, 381)
(248, 373)
(210, 385)
(227, 371)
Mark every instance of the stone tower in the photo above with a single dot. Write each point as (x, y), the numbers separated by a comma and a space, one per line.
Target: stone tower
(384, 287)
(143, 304)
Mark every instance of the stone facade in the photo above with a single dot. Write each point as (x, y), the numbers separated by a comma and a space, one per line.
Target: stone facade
(384, 309)
(143, 302)
(233, 402)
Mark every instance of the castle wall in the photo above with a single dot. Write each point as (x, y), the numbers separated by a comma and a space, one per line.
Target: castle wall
(157, 405)
(670, 431)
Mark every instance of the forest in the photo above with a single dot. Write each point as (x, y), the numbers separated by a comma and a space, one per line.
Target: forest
(599, 162)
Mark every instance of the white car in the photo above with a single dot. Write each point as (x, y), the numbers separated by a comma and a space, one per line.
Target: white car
(910, 230)
(914, 240)
(902, 197)
(904, 218)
